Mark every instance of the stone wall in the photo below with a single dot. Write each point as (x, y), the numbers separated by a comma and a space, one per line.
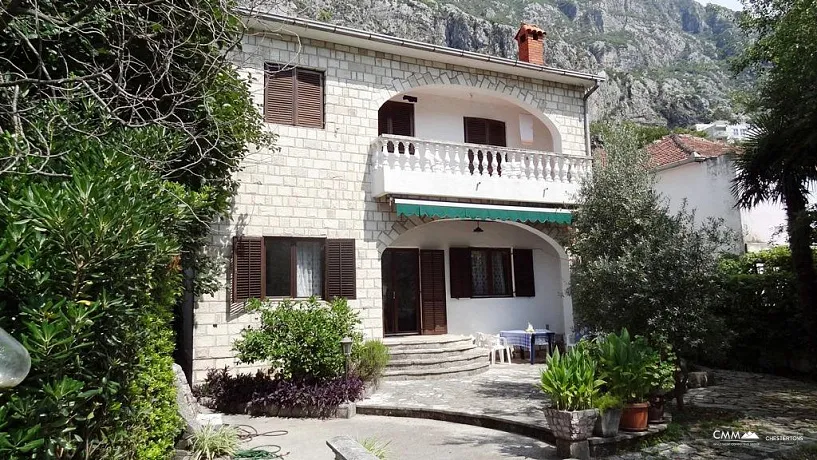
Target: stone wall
(316, 182)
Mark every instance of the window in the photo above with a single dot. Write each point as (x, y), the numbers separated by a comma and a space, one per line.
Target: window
(293, 96)
(484, 131)
(396, 118)
(486, 272)
(290, 267)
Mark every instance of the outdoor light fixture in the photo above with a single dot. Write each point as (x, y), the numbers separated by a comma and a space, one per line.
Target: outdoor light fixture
(478, 229)
(14, 361)
(346, 343)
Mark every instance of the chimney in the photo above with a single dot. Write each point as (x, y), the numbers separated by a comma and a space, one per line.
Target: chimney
(531, 44)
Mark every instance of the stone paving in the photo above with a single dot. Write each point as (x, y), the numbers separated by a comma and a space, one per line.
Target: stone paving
(765, 404)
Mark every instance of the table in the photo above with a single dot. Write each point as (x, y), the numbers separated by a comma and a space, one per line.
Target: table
(528, 340)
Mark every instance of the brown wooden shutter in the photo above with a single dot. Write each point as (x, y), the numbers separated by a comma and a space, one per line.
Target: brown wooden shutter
(279, 95)
(524, 280)
(496, 133)
(396, 118)
(476, 131)
(341, 276)
(459, 266)
(248, 268)
(432, 287)
(309, 98)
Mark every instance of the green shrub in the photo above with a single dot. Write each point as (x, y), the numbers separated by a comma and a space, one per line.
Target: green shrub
(608, 401)
(570, 381)
(625, 364)
(212, 442)
(371, 359)
(301, 340)
(88, 286)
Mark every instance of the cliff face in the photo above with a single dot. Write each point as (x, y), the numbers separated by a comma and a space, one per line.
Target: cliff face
(666, 60)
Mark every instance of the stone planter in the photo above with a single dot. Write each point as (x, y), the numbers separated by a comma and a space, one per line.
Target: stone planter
(634, 417)
(607, 423)
(571, 425)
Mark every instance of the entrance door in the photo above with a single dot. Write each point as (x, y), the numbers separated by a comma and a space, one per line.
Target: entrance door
(401, 291)
(432, 273)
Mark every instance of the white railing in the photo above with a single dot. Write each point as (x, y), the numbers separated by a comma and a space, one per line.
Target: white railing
(488, 162)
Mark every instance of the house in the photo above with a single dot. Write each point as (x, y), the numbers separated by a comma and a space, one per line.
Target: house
(430, 186)
(701, 172)
(724, 131)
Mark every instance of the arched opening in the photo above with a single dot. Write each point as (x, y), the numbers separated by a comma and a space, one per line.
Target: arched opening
(463, 277)
(473, 115)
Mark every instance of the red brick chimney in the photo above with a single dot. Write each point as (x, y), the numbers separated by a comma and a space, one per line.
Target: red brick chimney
(531, 44)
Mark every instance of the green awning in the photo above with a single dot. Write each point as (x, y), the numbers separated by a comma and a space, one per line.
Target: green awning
(481, 212)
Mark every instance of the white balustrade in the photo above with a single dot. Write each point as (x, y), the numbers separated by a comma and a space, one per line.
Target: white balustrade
(509, 168)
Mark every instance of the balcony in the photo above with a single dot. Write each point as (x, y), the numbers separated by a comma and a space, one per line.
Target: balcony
(409, 166)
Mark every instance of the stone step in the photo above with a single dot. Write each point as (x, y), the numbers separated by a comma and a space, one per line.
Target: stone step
(439, 352)
(472, 368)
(426, 342)
(420, 361)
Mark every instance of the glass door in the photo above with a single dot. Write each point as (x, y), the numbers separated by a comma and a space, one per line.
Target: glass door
(401, 291)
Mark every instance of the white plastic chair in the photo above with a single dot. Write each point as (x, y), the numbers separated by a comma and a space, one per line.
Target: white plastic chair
(494, 343)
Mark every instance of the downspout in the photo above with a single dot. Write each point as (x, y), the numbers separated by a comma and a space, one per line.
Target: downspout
(587, 95)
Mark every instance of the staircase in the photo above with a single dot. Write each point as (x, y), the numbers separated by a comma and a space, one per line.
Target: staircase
(426, 357)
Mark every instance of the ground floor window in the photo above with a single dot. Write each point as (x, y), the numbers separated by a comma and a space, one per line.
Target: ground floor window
(294, 268)
(487, 272)
(490, 272)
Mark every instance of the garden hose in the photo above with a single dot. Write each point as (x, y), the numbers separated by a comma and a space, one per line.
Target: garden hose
(266, 451)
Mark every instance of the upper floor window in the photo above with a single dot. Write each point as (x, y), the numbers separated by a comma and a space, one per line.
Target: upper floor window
(484, 131)
(396, 118)
(293, 96)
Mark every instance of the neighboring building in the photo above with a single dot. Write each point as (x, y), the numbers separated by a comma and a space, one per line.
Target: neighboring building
(430, 186)
(723, 131)
(701, 172)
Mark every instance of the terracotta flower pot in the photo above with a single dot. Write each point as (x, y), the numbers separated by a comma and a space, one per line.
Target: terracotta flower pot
(571, 425)
(607, 423)
(634, 417)
(656, 412)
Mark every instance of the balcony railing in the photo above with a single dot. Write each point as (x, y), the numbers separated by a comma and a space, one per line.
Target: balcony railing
(405, 165)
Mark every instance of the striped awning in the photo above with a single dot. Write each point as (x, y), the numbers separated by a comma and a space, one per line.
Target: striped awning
(442, 209)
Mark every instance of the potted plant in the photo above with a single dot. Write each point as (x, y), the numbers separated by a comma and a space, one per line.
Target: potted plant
(624, 366)
(609, 407)
(570, 382)
(662, 380)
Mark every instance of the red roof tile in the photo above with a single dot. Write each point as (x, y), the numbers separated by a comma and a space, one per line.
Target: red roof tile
(678, 147)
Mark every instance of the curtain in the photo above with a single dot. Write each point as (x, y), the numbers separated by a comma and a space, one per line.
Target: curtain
(479, 272)
(309, 266)
(498, 268)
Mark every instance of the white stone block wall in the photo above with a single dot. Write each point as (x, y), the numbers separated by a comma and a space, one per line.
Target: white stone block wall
(316, 182)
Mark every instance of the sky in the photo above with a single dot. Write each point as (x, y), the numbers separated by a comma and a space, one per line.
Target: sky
(734, 4)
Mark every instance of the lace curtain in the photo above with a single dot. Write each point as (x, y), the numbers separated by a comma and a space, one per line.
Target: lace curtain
(309, 268)
(498, 268)
(479, 273)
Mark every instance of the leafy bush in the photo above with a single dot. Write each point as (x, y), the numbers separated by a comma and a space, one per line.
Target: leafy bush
(625, 364)
(608, 401)
(88, 286)
(212, 442)
(301, 340)
(662, 369)
(570, 381)
(232, 394)
(371, 359)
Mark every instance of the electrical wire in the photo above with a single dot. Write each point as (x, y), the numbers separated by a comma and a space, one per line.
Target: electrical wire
(265, 451)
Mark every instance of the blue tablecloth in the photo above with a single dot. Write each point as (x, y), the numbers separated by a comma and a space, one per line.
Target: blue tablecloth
(528, 340)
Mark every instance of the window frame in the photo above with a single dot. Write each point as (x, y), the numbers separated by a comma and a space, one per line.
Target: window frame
(293, 266)
(506, 270)
(270, 67)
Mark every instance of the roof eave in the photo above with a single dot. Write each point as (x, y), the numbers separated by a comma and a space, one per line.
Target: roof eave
(361, 39)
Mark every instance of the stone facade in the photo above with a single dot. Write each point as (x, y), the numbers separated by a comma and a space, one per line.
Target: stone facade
(315, 183)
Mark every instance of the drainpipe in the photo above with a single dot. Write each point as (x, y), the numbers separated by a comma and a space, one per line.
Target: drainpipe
(587, 95)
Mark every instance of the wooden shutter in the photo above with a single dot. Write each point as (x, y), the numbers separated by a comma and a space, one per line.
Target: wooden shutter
(248, 268)
(341, 276)
(523, 273)
(484, 131)
(432, 287)
(459, 265)
(396, 118)
(279, 95)
(309, 98)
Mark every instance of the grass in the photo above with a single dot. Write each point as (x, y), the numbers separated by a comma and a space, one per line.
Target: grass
(807, 452)
(376, 447)
(696, 423)
(212, 442)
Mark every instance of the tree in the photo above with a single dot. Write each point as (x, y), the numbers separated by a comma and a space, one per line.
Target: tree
(780, 158)
(635, 265)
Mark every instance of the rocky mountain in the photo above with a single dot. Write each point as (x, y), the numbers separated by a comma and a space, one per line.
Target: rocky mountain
(666, 60)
